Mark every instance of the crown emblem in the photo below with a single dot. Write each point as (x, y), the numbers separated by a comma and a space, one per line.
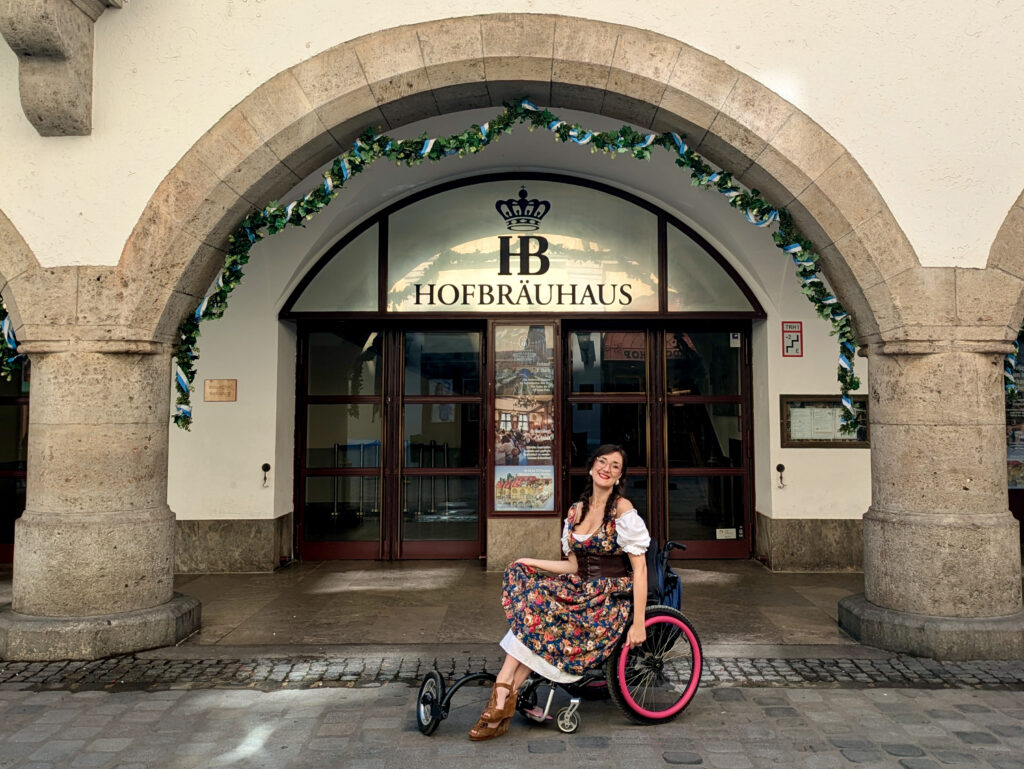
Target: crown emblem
(522, 215)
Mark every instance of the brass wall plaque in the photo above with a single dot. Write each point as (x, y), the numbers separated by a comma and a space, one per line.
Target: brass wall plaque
(220, 390)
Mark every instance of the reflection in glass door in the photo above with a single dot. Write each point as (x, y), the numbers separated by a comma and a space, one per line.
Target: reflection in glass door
(708, 440)
(391, 441)
(675, 399)
(441, 441)
(608, 403)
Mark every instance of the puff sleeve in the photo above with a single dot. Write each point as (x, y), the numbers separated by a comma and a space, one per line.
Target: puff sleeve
(631, 533)
(565, 538)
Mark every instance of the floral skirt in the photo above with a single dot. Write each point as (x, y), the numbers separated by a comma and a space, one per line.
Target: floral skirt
(571, 623)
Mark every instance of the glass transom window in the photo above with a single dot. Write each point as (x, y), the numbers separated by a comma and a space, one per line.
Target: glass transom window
(523, 244)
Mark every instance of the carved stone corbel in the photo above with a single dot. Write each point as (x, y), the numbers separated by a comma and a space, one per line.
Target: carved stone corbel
(53, 40)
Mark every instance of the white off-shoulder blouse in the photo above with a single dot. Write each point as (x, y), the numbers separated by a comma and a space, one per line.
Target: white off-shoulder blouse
(630, 534)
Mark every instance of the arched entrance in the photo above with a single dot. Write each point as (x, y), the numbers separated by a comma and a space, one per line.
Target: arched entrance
(451, 372)
(302, 117)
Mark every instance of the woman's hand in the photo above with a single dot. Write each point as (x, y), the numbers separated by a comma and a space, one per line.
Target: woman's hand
(636, 636)
(525, 562)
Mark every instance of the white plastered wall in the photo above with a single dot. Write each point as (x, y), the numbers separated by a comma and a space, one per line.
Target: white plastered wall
(917, 91)
(214, 469)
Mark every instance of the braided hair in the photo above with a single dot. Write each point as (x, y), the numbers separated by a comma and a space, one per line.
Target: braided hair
(588, 489)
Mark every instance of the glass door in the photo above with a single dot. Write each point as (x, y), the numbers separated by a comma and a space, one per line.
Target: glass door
(609, 402)
(708, 439)
(389, 432)
(676, 398)
(441, 468)
(341, 440)
(13, 453)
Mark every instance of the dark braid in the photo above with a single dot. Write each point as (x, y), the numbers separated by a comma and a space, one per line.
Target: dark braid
(588, 489)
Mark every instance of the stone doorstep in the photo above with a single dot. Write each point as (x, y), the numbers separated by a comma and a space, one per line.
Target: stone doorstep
(25, 637)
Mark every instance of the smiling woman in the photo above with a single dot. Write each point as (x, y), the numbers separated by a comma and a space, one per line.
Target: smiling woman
(562, 625)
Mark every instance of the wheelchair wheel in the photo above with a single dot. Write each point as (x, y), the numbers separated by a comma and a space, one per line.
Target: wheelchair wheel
(654, 682)
(428, 702)
(567, 720)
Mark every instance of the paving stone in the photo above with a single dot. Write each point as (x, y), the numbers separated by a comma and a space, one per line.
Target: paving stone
(1006, 763)
(859, 756)
(682, 758)
(955, 757)
(919, 763)
(911, 751)
(977, 738)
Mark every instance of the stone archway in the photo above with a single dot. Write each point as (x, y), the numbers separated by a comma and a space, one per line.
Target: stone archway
(17, 263)
(306, 115)
(935, 335)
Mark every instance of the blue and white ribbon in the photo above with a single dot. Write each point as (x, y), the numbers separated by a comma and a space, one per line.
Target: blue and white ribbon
(574, 135)
(427, 146)
(184, 410)
(844, 362)
(345, 173)
(201, 309)
(252, 237)
(804, 262)
(291, 207)
(483, 130)
(8, 331)
(793, 248)
(529, 105)
(808, 280)
(829, 300)
(848, 405)
(772, 216)
(647, 142)
(328, 184)
(680, 144)
(181, 379)
(554, 125)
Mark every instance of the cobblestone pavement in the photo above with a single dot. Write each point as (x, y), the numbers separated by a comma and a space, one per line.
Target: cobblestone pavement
(149, 672)
(373, 727)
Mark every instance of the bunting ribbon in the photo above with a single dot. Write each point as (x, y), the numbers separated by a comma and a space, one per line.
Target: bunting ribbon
(370, 147)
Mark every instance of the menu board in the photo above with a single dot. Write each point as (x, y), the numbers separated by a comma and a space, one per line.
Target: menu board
(815, 421)
(524, 418)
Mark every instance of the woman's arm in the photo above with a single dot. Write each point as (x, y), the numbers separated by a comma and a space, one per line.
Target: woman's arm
(637, 632)
(555, 567)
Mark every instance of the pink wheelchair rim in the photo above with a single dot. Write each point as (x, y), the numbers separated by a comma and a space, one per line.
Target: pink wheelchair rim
(694, 680)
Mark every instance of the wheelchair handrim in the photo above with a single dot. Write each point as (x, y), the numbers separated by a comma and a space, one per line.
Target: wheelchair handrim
(694, 678)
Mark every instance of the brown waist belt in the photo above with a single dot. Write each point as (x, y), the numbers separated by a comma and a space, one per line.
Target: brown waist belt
(593, 566)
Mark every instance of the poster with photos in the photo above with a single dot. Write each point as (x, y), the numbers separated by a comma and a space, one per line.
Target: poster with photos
(1015, 435)
(524, 431)
(520, 489)
(524, 360)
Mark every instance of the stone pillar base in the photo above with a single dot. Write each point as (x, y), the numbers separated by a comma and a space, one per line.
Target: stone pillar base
(30, 638)
(942, 638)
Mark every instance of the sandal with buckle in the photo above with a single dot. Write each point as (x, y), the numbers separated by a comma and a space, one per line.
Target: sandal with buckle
(483, 730)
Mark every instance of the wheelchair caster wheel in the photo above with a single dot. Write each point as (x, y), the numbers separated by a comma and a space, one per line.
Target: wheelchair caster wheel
(567, 720)
(428, 703)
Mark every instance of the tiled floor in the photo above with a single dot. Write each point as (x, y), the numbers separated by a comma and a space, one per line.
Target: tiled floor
(335, 602)
(732, 604)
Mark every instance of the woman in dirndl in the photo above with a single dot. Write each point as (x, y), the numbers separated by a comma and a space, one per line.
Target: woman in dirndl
(566, 623)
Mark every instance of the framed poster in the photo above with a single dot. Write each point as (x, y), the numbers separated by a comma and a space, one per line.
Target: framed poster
(522, 489)
(813, 422)
(524, 418)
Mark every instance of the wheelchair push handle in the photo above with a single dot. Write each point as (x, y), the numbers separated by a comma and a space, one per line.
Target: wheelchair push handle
(670, 546)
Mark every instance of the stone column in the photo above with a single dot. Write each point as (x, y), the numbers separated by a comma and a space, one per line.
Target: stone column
(942, 569)
(94, 549)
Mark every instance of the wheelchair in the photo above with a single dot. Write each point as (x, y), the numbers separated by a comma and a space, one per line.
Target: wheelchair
(651, 684)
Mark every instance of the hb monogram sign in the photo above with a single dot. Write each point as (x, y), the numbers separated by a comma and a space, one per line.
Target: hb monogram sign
(527, 259)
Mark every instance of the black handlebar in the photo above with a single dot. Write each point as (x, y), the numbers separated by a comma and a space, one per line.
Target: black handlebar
(670, 546)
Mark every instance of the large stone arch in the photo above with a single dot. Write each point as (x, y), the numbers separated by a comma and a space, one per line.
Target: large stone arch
(310, 113)
(1006, 257)
(18, 266)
